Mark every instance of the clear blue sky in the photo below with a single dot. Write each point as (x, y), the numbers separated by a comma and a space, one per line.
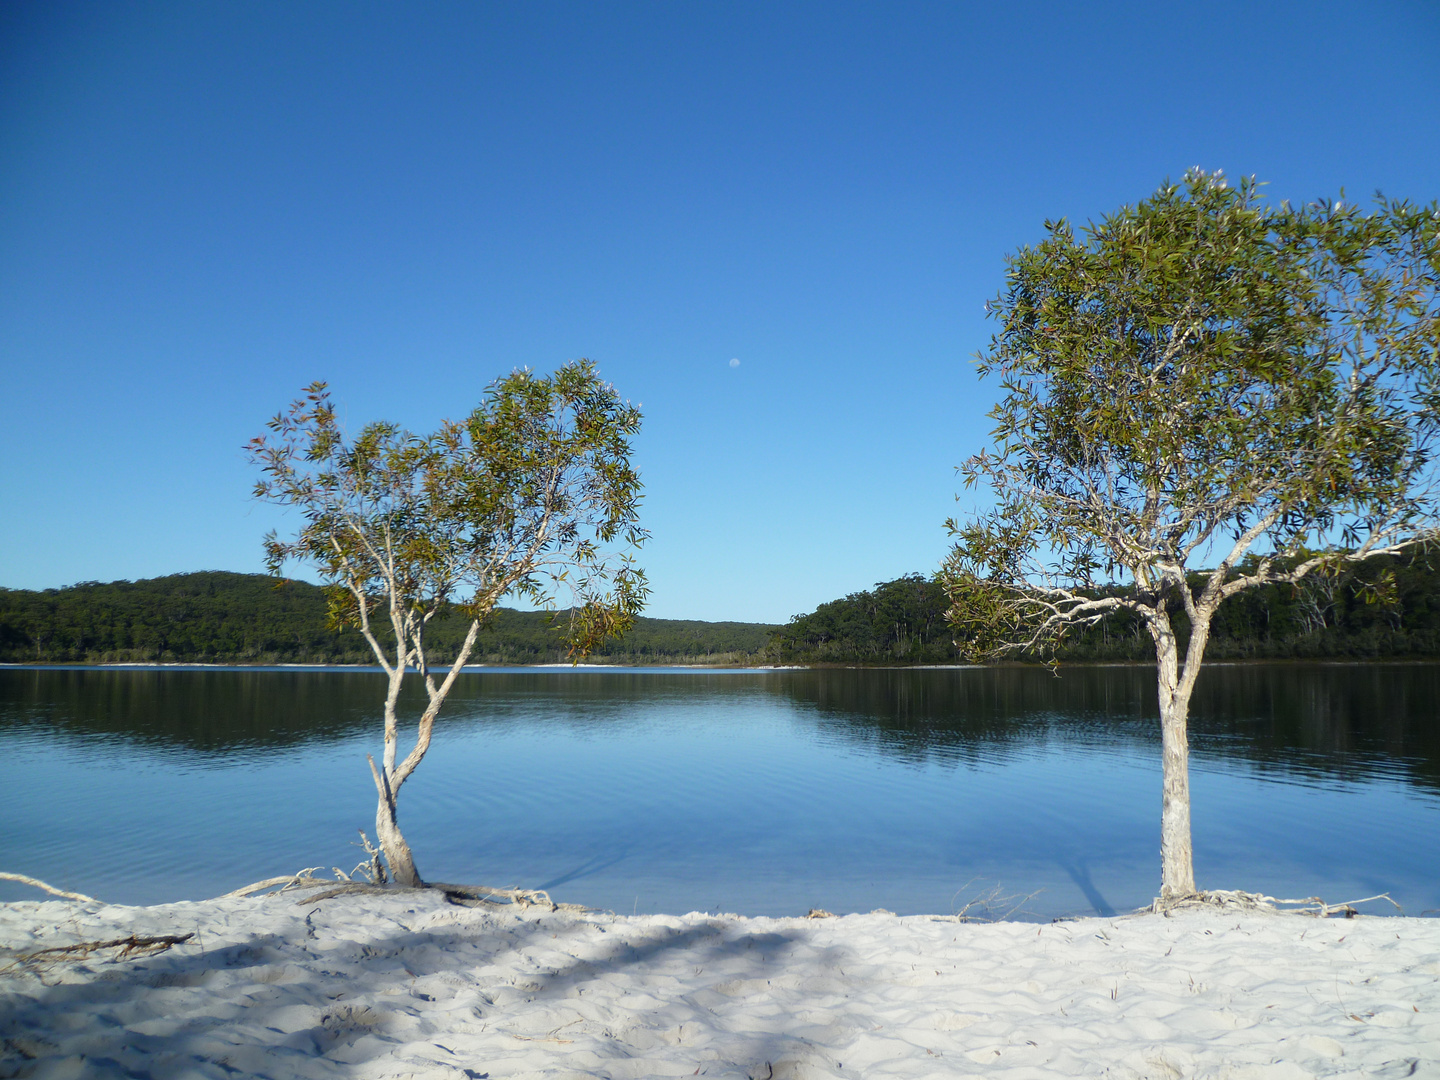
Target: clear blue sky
(204, 207)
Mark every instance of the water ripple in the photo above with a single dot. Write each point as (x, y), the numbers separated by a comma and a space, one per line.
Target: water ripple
(756, 792)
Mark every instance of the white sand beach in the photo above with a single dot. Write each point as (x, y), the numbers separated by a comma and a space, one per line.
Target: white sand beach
(409, 985)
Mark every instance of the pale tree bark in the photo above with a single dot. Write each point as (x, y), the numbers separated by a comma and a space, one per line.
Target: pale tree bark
(396, 849)
(1177, 867)
(387, 832)
(408, 627)
(387, 826)
(1175, 683)
(391, 774)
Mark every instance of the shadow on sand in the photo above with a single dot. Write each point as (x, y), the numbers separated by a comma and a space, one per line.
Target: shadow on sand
(342, 989)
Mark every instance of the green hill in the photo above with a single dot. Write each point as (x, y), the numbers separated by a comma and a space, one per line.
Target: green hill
(218, 617)
(1388, 607)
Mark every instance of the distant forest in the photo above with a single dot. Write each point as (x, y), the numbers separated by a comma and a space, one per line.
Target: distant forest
(218, 617)
(1387, 607)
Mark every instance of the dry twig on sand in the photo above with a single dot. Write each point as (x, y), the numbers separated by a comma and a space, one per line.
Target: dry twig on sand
(127, 948)
(372, 866)
(993, 905)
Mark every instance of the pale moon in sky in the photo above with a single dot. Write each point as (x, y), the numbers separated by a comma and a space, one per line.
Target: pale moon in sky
(734, 362)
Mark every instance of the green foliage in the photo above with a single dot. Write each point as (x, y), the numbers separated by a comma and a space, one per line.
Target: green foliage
(1385, 607)
(532, 494)
(899, 622)
(204, 617)
(216, 617)
(1200, 374)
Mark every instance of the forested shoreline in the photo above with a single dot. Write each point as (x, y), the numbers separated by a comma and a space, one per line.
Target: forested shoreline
(1384, 608)
(221, 617)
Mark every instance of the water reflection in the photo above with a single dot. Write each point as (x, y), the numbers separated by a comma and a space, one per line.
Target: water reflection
(1343, 722)
(1320, 722)
(205, 711)
(760, 792)
(1333, 722)
(973, 714)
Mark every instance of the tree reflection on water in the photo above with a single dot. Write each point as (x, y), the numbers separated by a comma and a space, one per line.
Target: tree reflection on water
(1332, 722)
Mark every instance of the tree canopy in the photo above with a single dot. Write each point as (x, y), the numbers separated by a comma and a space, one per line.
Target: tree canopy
(896, 622)
(1199, 380)
(532, 495)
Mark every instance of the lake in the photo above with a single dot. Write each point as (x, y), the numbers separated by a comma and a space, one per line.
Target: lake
(757, 792)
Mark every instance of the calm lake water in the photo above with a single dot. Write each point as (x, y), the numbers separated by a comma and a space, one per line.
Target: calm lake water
(759, 792)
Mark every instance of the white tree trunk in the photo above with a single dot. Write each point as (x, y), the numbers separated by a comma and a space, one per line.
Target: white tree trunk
(1177, 864)
(392, 774)
(392, 843)
(387, 831)
(387, 787)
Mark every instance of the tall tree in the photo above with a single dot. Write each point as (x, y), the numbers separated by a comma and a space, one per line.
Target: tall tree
(1192, 380)
(532, 496)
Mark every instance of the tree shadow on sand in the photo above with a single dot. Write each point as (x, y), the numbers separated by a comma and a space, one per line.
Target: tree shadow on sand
(427, 989)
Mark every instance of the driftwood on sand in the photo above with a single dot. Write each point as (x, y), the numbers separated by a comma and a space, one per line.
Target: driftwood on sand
(26, 879)
(1235, 900)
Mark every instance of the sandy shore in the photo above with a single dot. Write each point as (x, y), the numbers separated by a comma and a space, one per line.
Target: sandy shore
(409, 985)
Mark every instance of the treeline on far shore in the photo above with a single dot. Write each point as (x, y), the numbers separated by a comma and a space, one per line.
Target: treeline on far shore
(219, 617)
(1385, 607)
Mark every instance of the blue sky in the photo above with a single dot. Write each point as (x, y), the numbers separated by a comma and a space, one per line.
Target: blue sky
(203, 207)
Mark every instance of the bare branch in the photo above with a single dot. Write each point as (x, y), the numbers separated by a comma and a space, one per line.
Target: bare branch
(25, 879)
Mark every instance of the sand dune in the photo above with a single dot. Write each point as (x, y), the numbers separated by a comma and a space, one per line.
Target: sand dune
(409, 985)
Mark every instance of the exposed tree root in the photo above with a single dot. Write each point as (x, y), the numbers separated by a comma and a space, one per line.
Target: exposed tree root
(464, 895)
(343, 889)
(261, 886)
(375, 867)
(25, 879)
(484, 894)
(303, 879)
(1235, 900)
(344, 884)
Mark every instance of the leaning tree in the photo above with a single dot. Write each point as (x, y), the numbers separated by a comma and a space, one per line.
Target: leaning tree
(1200, 394)
(531, 497)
